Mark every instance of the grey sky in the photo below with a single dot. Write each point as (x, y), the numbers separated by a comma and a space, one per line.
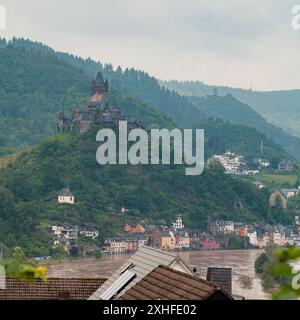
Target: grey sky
(229, 42)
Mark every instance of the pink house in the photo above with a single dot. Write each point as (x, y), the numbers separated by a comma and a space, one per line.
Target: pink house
(208, 244)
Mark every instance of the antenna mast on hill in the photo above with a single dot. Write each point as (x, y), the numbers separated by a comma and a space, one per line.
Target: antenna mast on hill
(261, 147)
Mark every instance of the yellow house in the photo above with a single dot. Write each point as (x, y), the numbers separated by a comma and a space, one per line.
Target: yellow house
(168, 241)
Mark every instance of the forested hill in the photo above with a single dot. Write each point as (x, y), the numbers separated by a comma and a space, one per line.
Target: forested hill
(221, 136)
(37, 83)
(146, 88)
(30, 185)
(34, 87)
(130, 82)
(281, 108)
(230, 109)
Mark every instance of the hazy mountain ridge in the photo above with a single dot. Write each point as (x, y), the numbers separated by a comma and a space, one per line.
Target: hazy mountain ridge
(281, 108)
(44, 82)
(229, 108)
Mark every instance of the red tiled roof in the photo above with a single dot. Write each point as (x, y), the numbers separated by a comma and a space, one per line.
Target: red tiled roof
(52, 289)
(164, 283)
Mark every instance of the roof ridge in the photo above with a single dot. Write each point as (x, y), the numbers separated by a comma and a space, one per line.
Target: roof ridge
(160, 251)
(217, 287)
(191, 286)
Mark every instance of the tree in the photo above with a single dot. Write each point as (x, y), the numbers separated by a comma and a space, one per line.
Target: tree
(98, 254)
(261, 262)
(19, 267)
(74, 251)
(289, 289)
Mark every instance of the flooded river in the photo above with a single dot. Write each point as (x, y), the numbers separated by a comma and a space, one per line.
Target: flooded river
(241, 262)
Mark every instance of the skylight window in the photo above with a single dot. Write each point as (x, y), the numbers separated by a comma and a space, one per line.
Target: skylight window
(112, 291)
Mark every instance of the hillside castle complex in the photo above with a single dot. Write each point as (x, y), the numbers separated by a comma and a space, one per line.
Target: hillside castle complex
(97, 111)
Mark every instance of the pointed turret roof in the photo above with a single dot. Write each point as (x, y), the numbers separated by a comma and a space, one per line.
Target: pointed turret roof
(99, 85)
(66, 192)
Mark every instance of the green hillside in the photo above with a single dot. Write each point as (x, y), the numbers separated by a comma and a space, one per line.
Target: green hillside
(230, 109)
(30, 185)
(34, 87)
(131, 82)
(41, 84)
(37, 83)
(221, 136)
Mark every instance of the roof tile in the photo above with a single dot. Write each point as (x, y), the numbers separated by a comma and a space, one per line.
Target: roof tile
(164, 283)
(52, 289)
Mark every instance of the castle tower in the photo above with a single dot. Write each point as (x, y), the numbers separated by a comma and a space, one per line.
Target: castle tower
(99, 86)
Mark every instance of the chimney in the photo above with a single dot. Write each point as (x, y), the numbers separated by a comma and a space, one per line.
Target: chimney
(222, 276)
(63, 295)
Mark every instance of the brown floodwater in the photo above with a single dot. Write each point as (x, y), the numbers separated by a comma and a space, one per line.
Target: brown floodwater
(241, 262)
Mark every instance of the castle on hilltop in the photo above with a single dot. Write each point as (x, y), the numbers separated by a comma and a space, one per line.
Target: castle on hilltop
(96, 111)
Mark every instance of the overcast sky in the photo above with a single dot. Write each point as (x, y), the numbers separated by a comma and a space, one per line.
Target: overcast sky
(226, 42)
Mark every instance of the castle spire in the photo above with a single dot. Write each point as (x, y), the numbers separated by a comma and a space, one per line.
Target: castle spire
(99, 86)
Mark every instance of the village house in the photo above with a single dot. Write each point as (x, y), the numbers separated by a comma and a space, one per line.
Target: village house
(66, 196)
(239, 229)
(89, 231)
(178, 224)
(183, 240)
(252, 235)
(168, 240)
(261, 163)
(248, 172)
(114, 246)
(65, 231)
(195, 240)
(285, 166)
(291, 237)
(155, 238)
(231, 163)
(142, 241)
(134, 230)
(209, 244)
(132, 245)
(278, 238)
(263, 238)
(64, 235)
(290, 193)
(223, 227)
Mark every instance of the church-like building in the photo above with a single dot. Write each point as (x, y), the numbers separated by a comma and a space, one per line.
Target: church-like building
(97, 111)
